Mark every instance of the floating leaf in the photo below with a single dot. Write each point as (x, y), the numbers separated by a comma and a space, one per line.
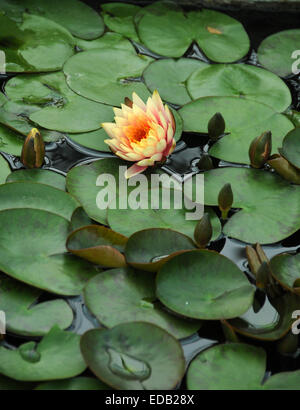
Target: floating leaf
(26, 317)
(59, 107)
(147, 346)
(234, 147)
(170, 76)
(56, 347)
(108, 40)
(106, 75)
(203, 284)
(244, 363)
(275, 52)
(33, 241)
(99, 245)
(258, 193)
(41, 176)
(170, 32)
(119, 17)
(35, 44)
(149, 249)
(107, 294)
(240, 80)
(286, 270)
(78, 383)
(291, 147)
(10, 141)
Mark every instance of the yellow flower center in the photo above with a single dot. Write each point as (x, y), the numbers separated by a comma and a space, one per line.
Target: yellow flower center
(138, 131)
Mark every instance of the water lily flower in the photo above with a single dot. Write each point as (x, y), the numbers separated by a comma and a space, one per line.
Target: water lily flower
(142, 133)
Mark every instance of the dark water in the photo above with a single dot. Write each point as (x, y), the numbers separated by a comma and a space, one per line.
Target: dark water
(63, 155)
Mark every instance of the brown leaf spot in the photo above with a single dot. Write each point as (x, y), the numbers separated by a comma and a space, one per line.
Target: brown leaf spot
(213, 30)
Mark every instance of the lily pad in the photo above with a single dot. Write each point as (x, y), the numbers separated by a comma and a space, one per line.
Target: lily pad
(36, 44)
(33, 241)
(291, 147)
(80, 219)
(107, 75)
(170, 32)
(4, 170)
(77, 383)
(203, 284)
(99, 245)
(37, 196)
(41, 176)
(119, 17)
(56, 347)
(92, 140)
(149, 249)
(269, 205)
(275, 52)
(134, 356)
(59, 107)
(246, 365)
(26, 317)
(234, 147)
(286, 270)
(10, 141)
(170, 77)
(271, 322)
(80, 19)
(108, 293)
(108, 40)
(240, 80)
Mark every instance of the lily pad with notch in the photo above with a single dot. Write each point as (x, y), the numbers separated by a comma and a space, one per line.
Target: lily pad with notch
(107, 75)
(33, 241)
(134, 356)
(234, 147)
(99, 245)
(24, 315)
(240, 80)
(56, 347)
(203, 284)
(258, 194)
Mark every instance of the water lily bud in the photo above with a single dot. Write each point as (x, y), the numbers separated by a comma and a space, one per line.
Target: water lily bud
(205, 162)
(225, 200)
(260, 149)
(216, 126)
(253, 259)
(33, 151)
(285, 169)
(203, 231)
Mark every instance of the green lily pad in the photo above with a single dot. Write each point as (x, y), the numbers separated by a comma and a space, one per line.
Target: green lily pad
(244, 363)
(41, 176)
(291, 147)
(33, 241)
(80, 219)
(36, 44)
(286, 270)
(77, 383)
(235, 146)
(240, 80)
(99, 245)
(106, 75)
(275, 52)
(271, 322)
(119, 17)
(4, 169)
(24, 316)
(77, 17)
(56, 347)
(134, 356)
(203, 284)
(149, 249)
(108, 293)
(170, 32)
(108, 40)
(10, 141)
(258, 193)
(170, 77)
(37, 196)
(59, 107)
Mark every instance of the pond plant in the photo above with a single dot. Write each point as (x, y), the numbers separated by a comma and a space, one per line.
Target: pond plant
(97, 297)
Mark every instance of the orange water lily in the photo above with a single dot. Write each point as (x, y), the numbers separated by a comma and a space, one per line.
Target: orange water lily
(142, 133)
